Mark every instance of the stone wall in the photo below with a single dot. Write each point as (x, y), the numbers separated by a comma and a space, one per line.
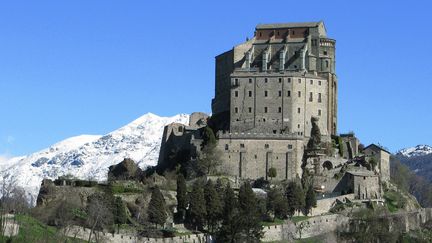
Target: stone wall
(252, 155)
(83, 233)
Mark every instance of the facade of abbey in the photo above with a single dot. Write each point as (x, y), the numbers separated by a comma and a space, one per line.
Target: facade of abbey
(270, 93)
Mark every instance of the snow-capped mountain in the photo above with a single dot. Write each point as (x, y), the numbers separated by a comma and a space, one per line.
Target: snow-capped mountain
(418, 150)
(89, 156)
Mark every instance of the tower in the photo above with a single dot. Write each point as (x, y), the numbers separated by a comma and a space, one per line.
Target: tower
(276, 81)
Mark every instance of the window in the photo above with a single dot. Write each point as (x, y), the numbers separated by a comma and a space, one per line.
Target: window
(242, 145)
(226, 147)
(298, 110)
(250, 93)
(299, 94)
(250, 109)
(250, 80)
(293, 32)
(260, 34)
(289, 93)
(289, 146)
(236, 93)
(236, 109)
(265, 109)
(299, 80)
(319, 83)
(325, 52)
(280, 80)
(180, 129)
(326, 63)
(311, 81)
(265, 80)
(280, 109)
(266, 146)
(310, 96)
(289, 80)
(256, 156)
(298, 126)
(280, 93)
(265, 93)
(319, 98)
(319, 112)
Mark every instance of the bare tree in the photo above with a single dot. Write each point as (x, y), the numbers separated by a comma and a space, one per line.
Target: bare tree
(99, 215)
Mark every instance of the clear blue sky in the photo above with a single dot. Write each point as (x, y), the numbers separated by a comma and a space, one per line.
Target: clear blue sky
(88, 67)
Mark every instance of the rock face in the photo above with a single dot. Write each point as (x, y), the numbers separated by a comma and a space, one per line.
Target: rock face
(125, 170)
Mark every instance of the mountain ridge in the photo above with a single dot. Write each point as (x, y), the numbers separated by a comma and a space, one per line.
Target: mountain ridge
(89, 156)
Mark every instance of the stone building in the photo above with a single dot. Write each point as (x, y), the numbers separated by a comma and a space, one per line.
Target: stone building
(267, 90)
(365, 184)
(276, 81)
(382, 157)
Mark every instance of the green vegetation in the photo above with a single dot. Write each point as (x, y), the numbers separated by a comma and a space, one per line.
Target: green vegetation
(274, 222)
(156, 209)
(297, 219)
(394, 200)
(118, 188)
(272, 172)
(32, 230)
(295, 196)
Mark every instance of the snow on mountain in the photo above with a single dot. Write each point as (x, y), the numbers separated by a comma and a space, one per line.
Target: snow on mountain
(418, 150)
(89, 156)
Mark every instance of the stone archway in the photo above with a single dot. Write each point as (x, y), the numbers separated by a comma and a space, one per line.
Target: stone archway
(327, 165)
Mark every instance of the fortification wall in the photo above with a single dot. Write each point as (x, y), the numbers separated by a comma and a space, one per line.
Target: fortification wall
(83, 233)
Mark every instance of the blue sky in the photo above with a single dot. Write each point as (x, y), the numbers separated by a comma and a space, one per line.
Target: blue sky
(88, 67)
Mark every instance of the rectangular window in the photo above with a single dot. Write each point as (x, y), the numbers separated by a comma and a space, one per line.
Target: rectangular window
(280, 80)
(265, 109)
(250, 80)
(298, 126)
(266, 80)
(265, 93)
(289, 93)
(311, 82)
(250, 109)
(236, 109)
(280, 110)
(280, 93)
(250, 93)
(310, 96)
(242, 145)
(319, 112)
(266, 146)
(226, 146)
(319, 83)
(289, 146)
(299, 80)
(298, 110)
(289, 80)
(236, 93)
(299, 94)
(319, 97)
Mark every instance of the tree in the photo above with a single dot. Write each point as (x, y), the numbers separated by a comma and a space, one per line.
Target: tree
(197, 208)
(99, 214)
(181, 196)
(230, 228)
(315, 137)
(295, 196)
(248, 213)
(272, 173)
(156, 209)
(310, 200)
(213, 206)
(209, 159)
(120, 216)
(277, 203)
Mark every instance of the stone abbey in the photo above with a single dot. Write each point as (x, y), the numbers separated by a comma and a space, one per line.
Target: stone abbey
(271, 93)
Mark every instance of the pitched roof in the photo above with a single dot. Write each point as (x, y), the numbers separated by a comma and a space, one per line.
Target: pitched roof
(376, 147)
(287, 25)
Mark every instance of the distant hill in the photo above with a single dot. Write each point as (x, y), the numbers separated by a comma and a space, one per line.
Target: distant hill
(418, 159)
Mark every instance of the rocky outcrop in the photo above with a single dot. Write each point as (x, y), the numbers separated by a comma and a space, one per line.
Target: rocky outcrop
(125, 170)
